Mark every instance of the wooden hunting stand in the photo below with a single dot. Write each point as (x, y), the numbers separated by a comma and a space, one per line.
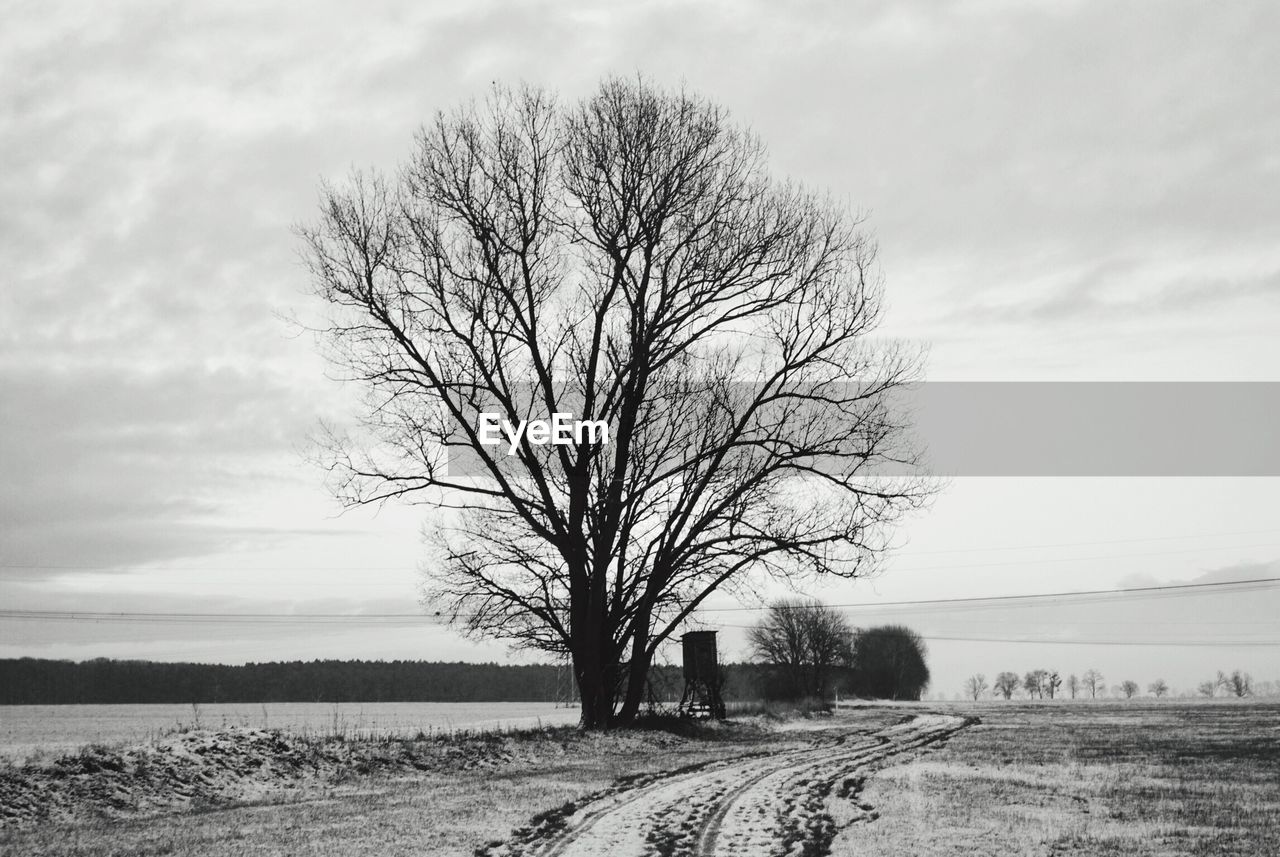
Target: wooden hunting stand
(702, 680)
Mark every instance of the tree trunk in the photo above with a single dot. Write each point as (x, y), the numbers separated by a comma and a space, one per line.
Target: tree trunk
(595, 665)
(637, 675)
(595, 689)
(594, 662)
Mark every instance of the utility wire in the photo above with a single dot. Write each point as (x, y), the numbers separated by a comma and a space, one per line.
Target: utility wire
(1111, 642)
(1140, 591)
(1094, 543)
(125, 568)
(1248, 585)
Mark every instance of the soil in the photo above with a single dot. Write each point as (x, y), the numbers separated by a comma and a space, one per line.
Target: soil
(789, 802)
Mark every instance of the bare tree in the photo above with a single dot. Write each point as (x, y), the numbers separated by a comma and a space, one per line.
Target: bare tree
(1093, 682)
(807, 641)
(1007, 684)
(1239, 684)
(1052, 682)
(1158, 688)
(1128, 687)
(1033, 683)
(975, 686)
(627, 261)
(1073, 685)
(1207, 689)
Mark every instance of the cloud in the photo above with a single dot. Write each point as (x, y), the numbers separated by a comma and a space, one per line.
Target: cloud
(224, 640)
(1236, 573)
(1028, 169)
(1240, 572)
(1121, 291)
(105, 466)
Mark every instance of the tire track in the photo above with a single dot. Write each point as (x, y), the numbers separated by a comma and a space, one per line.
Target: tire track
(766, 804)
(797, 795)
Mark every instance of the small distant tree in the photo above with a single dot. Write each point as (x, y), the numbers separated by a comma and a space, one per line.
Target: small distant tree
(1033, 683)
(1052, 683)
(805, 642)
(1158, 688)
(1094, 682)
(1007, 684)
(1207, 689)
(1073, 685)
(1239, 684)
(975, 686)
(1128, 688)
(889, 663)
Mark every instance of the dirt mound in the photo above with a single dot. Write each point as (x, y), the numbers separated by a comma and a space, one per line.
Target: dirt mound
(210, 767)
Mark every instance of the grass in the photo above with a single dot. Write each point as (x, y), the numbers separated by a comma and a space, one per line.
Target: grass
(428, 815)
(390, 811)
(1030, 779)
(780, 710)
(1115, 779)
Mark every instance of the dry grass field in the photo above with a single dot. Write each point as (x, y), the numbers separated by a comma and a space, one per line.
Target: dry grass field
(1116, 778)
(46, 729)
(441, 812)
(1171, 778)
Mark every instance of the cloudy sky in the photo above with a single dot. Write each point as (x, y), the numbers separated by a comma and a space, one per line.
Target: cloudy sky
(1075, 192)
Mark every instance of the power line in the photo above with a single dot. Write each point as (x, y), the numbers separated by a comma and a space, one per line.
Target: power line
(1111, 642)
(1045, 560)
(126, 568)
(219, 618)
(1254, 583)
(1093, 543)
(358, 618)
(408, 621)
(947, 567)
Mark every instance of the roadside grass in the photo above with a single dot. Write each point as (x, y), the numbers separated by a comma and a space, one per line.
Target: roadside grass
(1086, 779)
(780, 710)
(437, 812)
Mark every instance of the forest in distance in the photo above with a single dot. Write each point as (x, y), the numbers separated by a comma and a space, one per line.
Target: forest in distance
(34, 681)
(106, 681)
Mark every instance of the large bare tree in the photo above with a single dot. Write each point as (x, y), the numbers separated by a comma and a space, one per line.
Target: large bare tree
(625, 259)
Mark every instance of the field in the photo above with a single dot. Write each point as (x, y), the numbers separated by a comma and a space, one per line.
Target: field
(41, 729)
(1088, 779)
(1168, 778)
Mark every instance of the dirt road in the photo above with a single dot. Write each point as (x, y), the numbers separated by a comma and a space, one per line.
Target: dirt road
(787, 803)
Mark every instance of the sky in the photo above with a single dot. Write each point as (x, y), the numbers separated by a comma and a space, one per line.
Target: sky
(1077, 191)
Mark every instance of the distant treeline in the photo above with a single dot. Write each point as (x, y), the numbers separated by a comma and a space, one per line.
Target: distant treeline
(31, 681)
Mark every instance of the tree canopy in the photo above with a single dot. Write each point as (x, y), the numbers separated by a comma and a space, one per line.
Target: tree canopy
(806, 642)
(889, 663)
(627, 259)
